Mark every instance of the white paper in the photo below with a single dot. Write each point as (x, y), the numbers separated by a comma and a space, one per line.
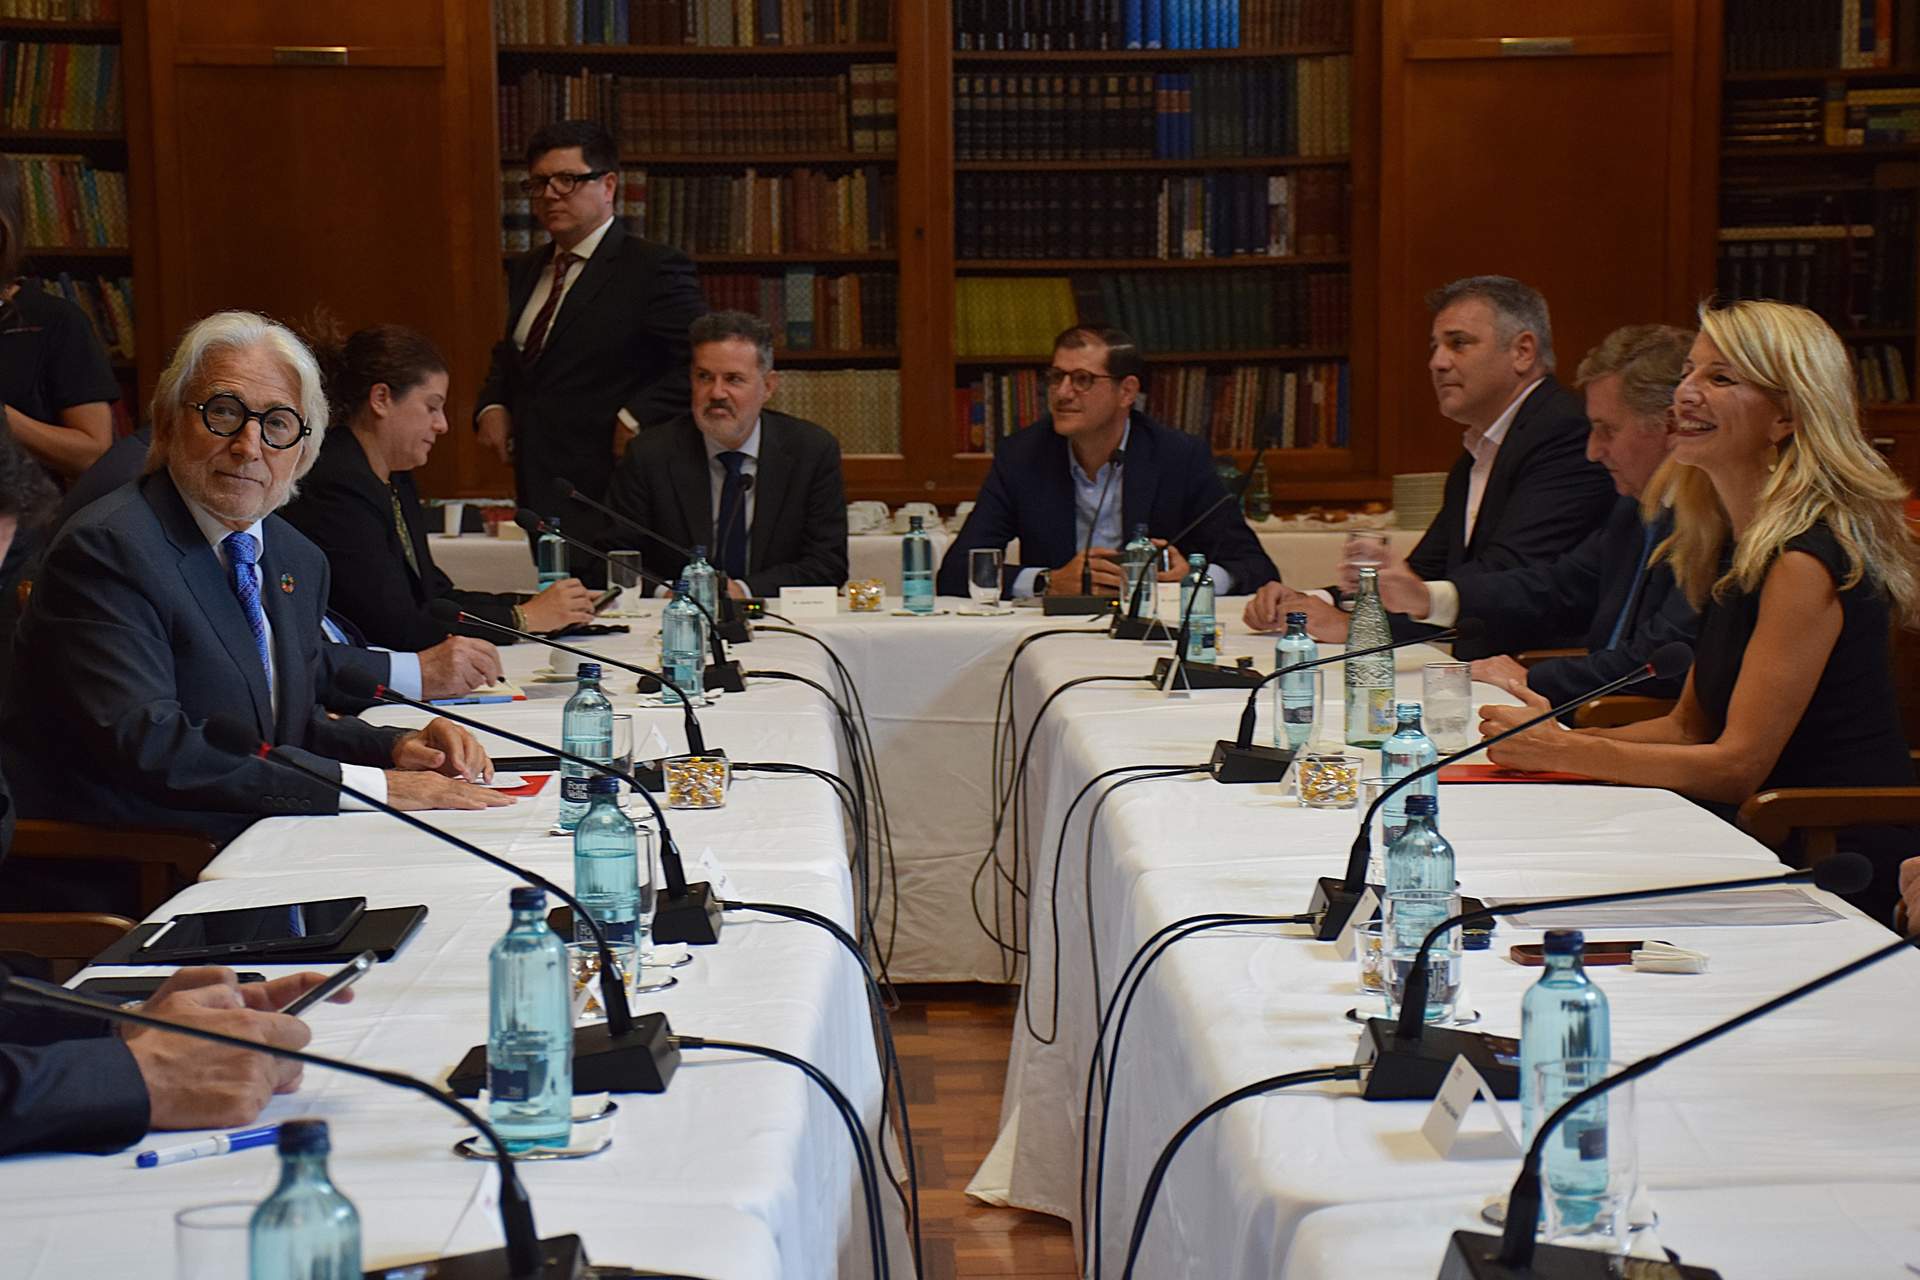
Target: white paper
(653, 747)
(1712, 909)
(809, 602)
(711, 871)
(1448, 1116)
(1166, 602)
(506, 781)
(1363, 911)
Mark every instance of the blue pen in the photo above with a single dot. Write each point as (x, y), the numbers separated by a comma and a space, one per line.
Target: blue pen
(218, 1145)
(473, 700)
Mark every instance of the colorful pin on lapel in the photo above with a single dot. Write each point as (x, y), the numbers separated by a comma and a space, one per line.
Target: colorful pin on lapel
(286, 583)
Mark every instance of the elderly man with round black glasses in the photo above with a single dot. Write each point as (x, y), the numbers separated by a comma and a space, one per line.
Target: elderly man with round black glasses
(181, 597)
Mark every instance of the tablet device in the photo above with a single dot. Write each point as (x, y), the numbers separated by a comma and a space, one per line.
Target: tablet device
(252, 931)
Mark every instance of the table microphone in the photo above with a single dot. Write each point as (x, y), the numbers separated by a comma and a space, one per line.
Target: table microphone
(525, 1257)
(720, 672)
(1087, 602)
(1239, 760)
(1411, 1059)
(1472, 1255)
(624, 1055)
(1334, 899)
(688, 912)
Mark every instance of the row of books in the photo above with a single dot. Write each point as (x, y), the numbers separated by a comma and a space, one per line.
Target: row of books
(1149, 24)
(719, 115)
(709, 23)
(1767, 35)
(1855, 277)
(108, 303)
(61, 10)
(71, 205)
(861, 407)
(60, 86)
(1841, 117)
(1144, 215)
(1275, 107)
(1880, 373)
(1164, 311)
(813, 311)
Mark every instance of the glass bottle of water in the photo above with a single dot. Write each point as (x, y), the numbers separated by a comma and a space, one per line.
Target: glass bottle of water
(530, 1030)
(1294, 695)
(550, 554)
(1564, 1015)
(916, 566)
(1369, 680)
(1407, 750)
(1421, 858)
(306, 1229)
(683, 646)
(703, 581)
(1137, 560)
(1196, 609)
(606, 873)
(1258, 504)
(586, 729)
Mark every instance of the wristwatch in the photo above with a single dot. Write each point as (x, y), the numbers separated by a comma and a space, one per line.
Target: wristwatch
(1040, 581)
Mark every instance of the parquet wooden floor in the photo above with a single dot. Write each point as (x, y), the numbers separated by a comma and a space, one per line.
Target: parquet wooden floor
(952, 1041)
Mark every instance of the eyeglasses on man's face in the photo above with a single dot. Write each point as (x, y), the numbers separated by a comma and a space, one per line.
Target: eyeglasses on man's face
(225, 415)
(560, 184)
(1081, 379)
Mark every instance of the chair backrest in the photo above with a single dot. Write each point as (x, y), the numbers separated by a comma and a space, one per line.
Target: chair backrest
(61, 941)
(167, 861)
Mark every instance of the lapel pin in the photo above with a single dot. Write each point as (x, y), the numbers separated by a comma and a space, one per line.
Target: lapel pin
(286, 583)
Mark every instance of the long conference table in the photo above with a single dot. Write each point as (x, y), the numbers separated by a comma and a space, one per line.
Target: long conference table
(1814, 1111)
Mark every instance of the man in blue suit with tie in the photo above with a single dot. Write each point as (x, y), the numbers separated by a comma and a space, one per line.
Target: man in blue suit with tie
(1089, 473)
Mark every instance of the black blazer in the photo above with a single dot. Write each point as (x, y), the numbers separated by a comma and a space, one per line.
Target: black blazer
(345, 508)
(798, 537)
(1167, 481)
(618, 341)
(1530, 607)
(133, 638)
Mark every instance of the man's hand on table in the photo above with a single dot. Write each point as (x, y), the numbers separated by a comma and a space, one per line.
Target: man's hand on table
(457, 665)
(1267, 610)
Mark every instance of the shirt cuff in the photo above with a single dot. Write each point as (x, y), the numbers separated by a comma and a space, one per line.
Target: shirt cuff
(1023, 584)
(403, 675)
(1443, 607)
(1222, 580)
(484, 410)
(1323, 595)
(628, 421)
(362, 777)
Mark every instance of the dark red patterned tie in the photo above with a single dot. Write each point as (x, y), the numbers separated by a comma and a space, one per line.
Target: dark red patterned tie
(537, 335)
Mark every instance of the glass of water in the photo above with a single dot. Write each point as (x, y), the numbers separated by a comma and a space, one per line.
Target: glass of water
(983, 576)
(624, 571)
(623, 750)
(1367, 549)
(1410, 915)
(210, 1241)
(1446, 699)
(1589, 1167)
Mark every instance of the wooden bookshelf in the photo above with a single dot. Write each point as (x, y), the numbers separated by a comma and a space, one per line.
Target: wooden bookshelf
(1057, 265)
(1151, 166)
(698, 52)
(1050, 57)
(86, 32)
(1243, 356)
(740, 160)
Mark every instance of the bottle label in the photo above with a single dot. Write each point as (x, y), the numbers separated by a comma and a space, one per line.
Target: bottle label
(1380, 715)
(1297, 715)
(509, 1084)
(574, 790)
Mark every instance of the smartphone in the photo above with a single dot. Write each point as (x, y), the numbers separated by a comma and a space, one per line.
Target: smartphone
(605, 598)
(136, 990)
(252, 931)
(342, 978)
(1534, 953)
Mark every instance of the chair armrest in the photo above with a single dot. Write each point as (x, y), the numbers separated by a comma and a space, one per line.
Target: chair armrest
(1620, 709)
(1531, 658)
(1772, 817)
(56, 936)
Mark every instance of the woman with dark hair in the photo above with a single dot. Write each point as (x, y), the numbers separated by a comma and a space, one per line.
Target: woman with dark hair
(387, 385)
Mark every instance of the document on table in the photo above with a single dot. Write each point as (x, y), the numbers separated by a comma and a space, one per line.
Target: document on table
(1720, 909)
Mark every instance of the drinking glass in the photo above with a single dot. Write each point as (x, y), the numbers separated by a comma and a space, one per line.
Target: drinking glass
(1589, 1166)
(623, 571)
(983, 576)
(1446, 699)
(1327, 780)
(623, 750)
(1370, 955)
(210, 1241)
(1410, 915)
(1366, 550)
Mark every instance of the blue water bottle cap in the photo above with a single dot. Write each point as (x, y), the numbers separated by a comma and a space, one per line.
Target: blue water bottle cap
(528, 898)
(303, 1138)
(1296, 619)
(699, 551)
(603, 786)
(589, 671)
(1565, 942)
(1423, 805)
(916, 524)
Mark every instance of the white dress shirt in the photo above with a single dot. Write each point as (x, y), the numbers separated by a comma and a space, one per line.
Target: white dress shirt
(359, 776)
(543, 288)
(1485, 446)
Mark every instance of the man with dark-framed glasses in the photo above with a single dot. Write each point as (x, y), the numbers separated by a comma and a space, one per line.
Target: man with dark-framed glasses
(596, 341)
(1074, 486)
(181, 597)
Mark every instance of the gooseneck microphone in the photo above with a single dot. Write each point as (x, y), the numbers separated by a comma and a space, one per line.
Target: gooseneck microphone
(1087, 602)
(526, 1255)
(1334, 899)
(1411, 1059)
(1472, 1255)
(1239, 760)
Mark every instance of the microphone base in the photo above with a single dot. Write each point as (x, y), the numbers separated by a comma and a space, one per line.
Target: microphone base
(1206, 675)
(1474, 1255)
(1151, 629)
(731, 623)
(693, 919)
(725, 675)
(642, 1061)
(1332, 904)
(1234, 763)
(561, 1258)
(1081, 606)
(1405, 1069)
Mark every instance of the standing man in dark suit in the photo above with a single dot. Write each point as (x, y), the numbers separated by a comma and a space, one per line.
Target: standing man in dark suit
(1523, 490)
(1052, 486)
(596, 344)
(761, 491)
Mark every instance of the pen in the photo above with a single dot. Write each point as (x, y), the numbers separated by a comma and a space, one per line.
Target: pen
(218, 1145)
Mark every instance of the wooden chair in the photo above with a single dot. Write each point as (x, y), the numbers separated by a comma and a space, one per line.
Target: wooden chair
(1815, 814)
(1531, 658)
(167, 861)
(65, 941)
(1619, 709)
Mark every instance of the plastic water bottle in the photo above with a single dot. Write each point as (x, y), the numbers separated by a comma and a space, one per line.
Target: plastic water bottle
(1258, 504)
(1369, 680)
(306, 1229)
(683, 646)
(606, 873)
(1294, 695)
(1136, 560)
(703, 581)
(1421, 858)
(1564, 1015)
(550, 554)
(1408, 749)
(586, 729)
(916, 566)
(530, 1030)
(1196, 609)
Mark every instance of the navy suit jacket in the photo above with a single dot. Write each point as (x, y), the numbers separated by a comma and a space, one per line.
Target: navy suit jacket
(133, 639)
(1167, 481)
(1588, 588)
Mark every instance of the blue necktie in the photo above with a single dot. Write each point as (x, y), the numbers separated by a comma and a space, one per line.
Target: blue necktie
(1633, 588)
(243, 553)
(732, 531)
